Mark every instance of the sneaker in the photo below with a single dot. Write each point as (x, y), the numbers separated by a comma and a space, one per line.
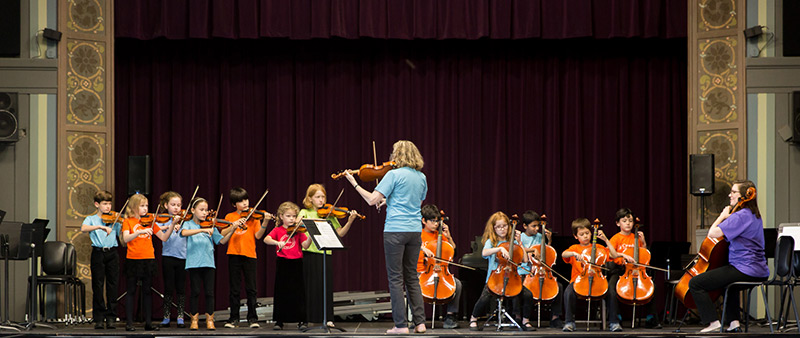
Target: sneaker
(165, 322)
(556, 323)
(450, 322)
(181, 324)
(614, 327)
(652, 323)
(110, 322)
(230, 325)
(254, 325)
(569, 327)
(98, 324)
(277, 326)
(302, 326)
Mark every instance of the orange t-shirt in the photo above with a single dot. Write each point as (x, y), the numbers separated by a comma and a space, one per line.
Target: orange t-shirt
(621, 243)
(243, 242)
(426, 237)
(140, 247)
(577, 267)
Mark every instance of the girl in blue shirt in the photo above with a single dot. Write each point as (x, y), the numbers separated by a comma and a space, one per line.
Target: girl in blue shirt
(200, 261)
(173, 258)
(402, 190)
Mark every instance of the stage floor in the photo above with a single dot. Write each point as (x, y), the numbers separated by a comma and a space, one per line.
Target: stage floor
(375, 328)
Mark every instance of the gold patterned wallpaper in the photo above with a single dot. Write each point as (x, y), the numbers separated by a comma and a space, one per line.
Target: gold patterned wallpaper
(86, 82)
(86, 16)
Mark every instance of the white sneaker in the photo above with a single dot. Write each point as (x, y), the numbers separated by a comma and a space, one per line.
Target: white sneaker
(230, 325)
(713, 327)
(254, 325)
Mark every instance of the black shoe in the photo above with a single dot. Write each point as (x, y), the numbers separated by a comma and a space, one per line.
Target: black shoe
(450, 322)
(302, 326)
(528, 327)
(129, 327)
(151, 327)
(98, 324)
(556, 323)
(110, 323)
(652, 323)
(277, 326)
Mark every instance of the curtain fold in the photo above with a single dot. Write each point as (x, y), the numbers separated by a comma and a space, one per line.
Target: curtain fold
(393, 19)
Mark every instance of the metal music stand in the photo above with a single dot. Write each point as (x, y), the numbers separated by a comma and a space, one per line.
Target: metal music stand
(38, 232)
(8, 230)
(325, 238)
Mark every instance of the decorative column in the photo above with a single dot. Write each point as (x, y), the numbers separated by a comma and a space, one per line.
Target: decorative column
(85, 119)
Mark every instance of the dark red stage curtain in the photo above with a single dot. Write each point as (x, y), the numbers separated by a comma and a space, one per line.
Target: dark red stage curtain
(394, 19)
(574, 128)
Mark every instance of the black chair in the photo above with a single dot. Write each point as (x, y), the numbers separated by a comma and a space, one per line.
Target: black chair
(749, 286)
(784, 276)
(59, 263)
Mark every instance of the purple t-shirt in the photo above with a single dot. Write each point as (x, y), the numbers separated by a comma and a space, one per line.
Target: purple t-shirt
(745, 233)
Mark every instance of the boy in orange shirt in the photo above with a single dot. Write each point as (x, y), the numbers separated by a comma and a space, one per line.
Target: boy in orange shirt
(242, 258)
(621, 241)
(576, 255)
(430, 217)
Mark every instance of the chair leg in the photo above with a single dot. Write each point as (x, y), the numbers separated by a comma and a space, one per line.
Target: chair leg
(794, 307)
(724, 312)
(766, 308)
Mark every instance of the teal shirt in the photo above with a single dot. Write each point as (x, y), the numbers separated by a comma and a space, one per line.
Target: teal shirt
(101, 239)
(200, 247)
(405, 189)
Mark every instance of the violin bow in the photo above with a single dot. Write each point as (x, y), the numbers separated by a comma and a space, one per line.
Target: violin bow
(214, 219)
(256, 206)
(452, 263)
(547, 267)
(191, 203)
(116, 219)
(377, 180)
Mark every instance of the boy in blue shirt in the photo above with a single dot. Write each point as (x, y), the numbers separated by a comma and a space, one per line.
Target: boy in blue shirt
(104, 263)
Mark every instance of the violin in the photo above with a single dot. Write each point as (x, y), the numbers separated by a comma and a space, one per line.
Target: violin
(635, 287)
(368, 172)
(219, 223)
(110, 217)
(540, 281)
(146, 220)
(591, 284)
(338, 212)
(505, 281)
(437, 284)
(292, 229)
(712, 254)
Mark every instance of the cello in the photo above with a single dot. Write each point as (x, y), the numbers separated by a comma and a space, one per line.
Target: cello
(505, 281)
(712, 254)
(437, 284)
(635, 287)
(540, 281)
(586, 285)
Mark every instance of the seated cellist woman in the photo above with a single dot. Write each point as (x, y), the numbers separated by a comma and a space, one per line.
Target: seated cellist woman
(740, 223)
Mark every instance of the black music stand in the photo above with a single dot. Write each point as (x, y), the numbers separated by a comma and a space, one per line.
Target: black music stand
(325, 238)
(38, 232)
(8, 231)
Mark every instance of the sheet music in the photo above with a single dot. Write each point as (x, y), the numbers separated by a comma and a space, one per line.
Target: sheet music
(327, 237)
(792, 230)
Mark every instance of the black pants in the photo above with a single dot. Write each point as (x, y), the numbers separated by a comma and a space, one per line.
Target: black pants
(714, 280)
(555, 309)
(203, 276)
(523, 303)
(105, 274)
(147, 298)
(612, 302)
(238, 265)
(174, 271)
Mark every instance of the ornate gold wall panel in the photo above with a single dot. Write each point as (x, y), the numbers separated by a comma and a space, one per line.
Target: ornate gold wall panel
(86, 119)
(717, 121)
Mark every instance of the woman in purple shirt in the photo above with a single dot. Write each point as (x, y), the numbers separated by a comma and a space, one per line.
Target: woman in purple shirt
(746, 261)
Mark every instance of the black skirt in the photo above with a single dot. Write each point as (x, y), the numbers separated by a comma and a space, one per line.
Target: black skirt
(290, 299)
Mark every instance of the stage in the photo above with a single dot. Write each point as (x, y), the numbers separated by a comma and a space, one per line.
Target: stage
(376, 328)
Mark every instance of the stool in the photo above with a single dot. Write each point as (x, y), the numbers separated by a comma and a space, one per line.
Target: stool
(603, 314)
(671, 302)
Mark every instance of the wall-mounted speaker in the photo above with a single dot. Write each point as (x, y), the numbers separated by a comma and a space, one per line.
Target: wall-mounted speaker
(701, 174)
(139, 175)
(9, 121)
(795, 114)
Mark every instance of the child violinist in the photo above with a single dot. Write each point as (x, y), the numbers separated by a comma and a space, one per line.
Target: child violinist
(496, 232)
(316, 197)
(582, 231)
(105, 260)
(140, 264)
(621, 241)
(531, 240)
(430, 234)
(200, 241)
(290, 299)
(242, 259)
(173, 258)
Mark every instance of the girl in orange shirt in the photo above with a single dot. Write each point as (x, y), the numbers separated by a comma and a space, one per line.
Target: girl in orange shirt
(140, 263)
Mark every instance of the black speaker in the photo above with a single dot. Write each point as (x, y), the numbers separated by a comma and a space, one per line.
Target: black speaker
(9, 122)
(795, 114)
(791, 28)
(139, 175)
(10, 28)
(701, 174)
